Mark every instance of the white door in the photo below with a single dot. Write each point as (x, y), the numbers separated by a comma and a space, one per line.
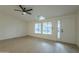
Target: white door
(68, 29)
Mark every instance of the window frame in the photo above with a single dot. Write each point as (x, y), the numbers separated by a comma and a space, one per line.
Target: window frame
(47, 23)
(41, 31)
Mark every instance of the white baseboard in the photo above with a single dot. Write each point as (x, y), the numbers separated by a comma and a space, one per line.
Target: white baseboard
(13, 37)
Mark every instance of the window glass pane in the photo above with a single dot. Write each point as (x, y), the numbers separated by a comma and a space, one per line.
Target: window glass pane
(49, 24)
(44, 28)
(38, 28)
(47, 28)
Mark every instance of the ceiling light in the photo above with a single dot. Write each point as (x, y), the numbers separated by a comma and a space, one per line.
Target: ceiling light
(23, 13)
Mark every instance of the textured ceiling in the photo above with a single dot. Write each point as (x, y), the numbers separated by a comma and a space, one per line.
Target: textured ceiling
(43, 10)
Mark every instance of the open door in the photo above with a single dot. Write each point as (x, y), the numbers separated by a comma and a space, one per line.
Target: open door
(66, 29)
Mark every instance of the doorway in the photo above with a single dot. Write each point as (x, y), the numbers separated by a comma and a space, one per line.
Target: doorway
(66, 29)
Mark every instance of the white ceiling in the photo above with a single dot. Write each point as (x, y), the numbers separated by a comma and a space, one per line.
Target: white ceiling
(43, 10)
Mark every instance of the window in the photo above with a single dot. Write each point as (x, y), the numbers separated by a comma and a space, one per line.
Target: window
(47, 28)
(38, 28)
(58, 27)
(43, 28)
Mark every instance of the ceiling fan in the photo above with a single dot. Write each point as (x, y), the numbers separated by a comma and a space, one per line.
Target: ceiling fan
(24, 10)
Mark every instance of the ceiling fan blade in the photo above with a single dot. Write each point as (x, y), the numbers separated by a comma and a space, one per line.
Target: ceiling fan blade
(24, 10)
(28, 13)
(29, 10)
(21, 7)
(17, 10)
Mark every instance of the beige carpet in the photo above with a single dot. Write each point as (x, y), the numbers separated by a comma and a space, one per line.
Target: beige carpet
(35, 45)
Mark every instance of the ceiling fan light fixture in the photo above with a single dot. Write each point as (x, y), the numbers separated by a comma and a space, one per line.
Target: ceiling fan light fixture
(23, 13)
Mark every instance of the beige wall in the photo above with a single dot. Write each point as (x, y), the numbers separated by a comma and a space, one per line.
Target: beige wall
(69, 28)
(77, 31)
(31, 31)
(68, 36)
(11, 27)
